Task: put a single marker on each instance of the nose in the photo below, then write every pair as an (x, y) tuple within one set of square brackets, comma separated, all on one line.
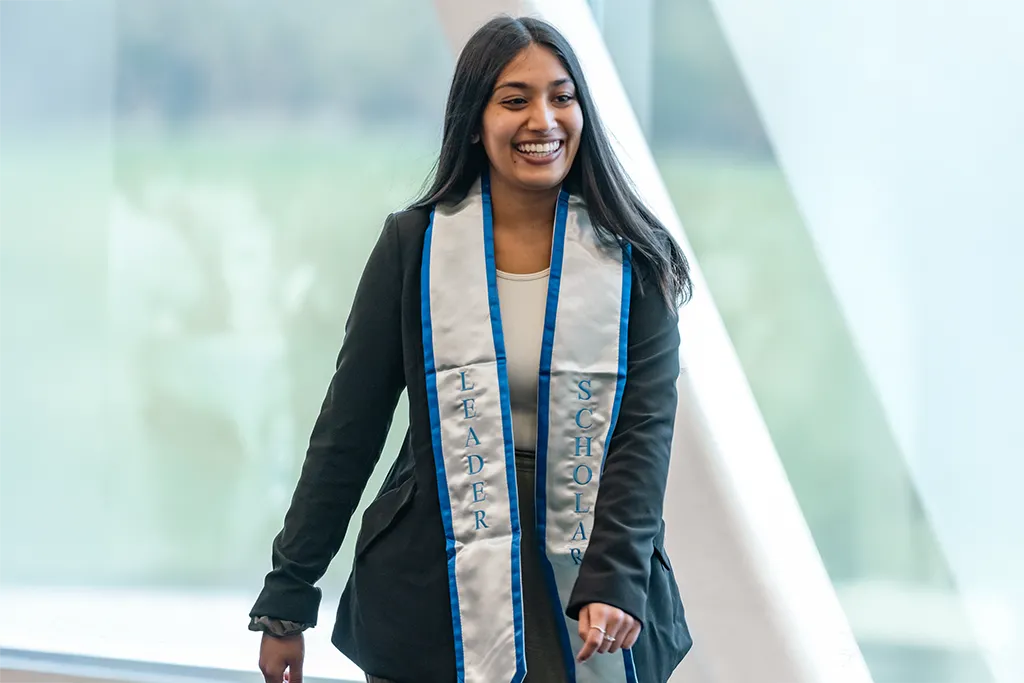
[(542, 116)]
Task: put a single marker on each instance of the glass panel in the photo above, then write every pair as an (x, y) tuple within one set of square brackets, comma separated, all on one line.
[(190, 191), (831, 430)]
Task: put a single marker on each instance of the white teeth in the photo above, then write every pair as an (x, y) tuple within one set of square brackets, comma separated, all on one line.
[(534, 148)]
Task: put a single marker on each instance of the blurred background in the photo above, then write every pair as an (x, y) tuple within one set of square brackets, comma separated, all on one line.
[(189, 191)]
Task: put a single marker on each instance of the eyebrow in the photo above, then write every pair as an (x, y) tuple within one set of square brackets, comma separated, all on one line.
[(524, 86)]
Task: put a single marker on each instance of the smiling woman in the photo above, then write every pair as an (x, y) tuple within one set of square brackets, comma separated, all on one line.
[(530, 130), (488, 551), (532, 119)]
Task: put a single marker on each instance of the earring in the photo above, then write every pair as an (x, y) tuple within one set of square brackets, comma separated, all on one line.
[(475, 139)]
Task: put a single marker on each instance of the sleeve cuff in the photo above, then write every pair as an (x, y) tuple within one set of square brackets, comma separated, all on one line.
[(279, 628), (288, 600)]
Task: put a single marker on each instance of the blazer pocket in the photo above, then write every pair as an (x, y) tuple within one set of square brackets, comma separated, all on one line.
[(383, 512), (659, 548), (662, 557)]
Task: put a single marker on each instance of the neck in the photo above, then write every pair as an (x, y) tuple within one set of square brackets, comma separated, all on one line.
[(523, 209)]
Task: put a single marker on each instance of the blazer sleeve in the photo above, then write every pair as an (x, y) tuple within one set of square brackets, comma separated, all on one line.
[(628, 512), (346, 440)]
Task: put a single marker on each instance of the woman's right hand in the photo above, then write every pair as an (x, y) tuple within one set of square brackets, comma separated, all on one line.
[(281, 658)]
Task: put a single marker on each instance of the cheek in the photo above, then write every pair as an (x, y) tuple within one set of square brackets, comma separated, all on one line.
[(574, 125), (497, 138), (498, 154)]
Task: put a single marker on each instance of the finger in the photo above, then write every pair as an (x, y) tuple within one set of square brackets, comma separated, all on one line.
[(592, 638), (590, 645), (624, 628), (614, 645), (296, 672), (584, 623), (632, 636), (614, 620)]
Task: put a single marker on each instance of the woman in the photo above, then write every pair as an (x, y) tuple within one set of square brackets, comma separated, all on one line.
[(527, 303)]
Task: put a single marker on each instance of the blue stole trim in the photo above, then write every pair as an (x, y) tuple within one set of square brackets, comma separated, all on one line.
[(435, 434), (620, 384), (506, 420), (543, 419), (627, 290)]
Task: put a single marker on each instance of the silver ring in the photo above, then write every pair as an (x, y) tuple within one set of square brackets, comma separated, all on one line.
[(603, 632), (609, 638)]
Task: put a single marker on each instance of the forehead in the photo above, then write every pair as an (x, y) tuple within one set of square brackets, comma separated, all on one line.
[(535, 65)]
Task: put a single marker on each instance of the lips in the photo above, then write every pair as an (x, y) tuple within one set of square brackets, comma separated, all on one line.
[(540, 152), (539, 148)]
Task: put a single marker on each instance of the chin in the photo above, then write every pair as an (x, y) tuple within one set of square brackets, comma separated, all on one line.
[(538, 182)]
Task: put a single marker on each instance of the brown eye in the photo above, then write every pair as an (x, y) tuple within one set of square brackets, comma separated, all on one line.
[(515, 102), (564, 98)]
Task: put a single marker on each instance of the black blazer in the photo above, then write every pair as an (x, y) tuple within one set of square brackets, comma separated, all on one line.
[(394, 620)]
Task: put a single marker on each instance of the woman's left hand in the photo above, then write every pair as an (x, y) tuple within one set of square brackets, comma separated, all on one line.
[(616, 623)]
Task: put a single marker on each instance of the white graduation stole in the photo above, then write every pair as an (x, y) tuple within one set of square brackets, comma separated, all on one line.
[(582, 375)]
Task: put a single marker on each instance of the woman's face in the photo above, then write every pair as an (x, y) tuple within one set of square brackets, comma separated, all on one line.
[(532, 123)]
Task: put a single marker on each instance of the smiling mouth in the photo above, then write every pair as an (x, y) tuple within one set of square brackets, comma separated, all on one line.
[(540, 150)]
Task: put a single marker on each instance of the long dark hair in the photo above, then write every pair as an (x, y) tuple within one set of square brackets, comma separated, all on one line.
[(596, 174)]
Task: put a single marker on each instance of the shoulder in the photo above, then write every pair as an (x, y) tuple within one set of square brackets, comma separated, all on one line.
[(645, 285), (649, 311), (409, 225), (403, 234)]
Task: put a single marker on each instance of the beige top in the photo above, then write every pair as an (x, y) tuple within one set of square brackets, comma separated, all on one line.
[(523, 300)]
